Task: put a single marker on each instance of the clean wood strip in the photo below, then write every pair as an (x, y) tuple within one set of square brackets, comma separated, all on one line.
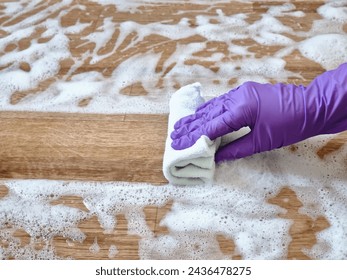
[(82, 147)]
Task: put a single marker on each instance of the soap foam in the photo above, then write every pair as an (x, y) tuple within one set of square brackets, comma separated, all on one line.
[(334, 10), (222, 215), (182, 65), (328, 50), (237, 206)]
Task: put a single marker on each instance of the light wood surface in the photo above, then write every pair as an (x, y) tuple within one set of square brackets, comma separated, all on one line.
[(82, 146), (130, 147)]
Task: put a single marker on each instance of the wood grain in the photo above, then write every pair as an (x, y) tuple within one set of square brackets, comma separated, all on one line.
[(82, 147), (98, 147)]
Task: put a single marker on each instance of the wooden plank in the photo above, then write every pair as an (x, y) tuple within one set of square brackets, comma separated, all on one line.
[(82, 146)]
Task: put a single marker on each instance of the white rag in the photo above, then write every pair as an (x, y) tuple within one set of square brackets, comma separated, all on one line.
[(194, 165)]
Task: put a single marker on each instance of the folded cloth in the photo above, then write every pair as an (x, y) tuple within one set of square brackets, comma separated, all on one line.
[(194, 165)]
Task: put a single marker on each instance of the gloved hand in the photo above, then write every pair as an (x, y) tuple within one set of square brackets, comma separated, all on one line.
[(278, 115)]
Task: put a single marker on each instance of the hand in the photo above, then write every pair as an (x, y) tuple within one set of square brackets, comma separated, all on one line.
[(278, 115)]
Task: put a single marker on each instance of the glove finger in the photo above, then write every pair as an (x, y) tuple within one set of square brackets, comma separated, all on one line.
[(240, 148), (187, 140), (204, 105), (208, 110), (211, 103), (190, 123), (216, 101), (212, 129), (187, 119), (218, 126), (187, 128)]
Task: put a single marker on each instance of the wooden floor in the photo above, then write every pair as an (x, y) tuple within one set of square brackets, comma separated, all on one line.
[(128, 148), (82, 146)]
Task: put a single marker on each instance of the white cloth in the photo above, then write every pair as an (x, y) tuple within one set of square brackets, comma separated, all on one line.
[(194, 165)]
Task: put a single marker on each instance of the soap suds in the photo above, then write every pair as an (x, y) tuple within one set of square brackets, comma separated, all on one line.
[(237, 206), (157, 55), (325, 45), (334, 10), (112, 251), (95, 248)]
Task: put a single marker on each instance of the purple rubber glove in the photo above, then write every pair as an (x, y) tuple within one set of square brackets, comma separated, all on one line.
[(278, 115)]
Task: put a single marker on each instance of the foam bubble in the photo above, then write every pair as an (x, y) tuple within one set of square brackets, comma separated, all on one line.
[(328, 49), (112, 251), (285, 10), (334, 10), (13, 7), (216, 32), (95, 248)]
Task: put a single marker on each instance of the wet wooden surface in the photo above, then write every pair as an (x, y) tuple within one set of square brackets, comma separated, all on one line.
[(129, 147), (82, 146), (97, 147)]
